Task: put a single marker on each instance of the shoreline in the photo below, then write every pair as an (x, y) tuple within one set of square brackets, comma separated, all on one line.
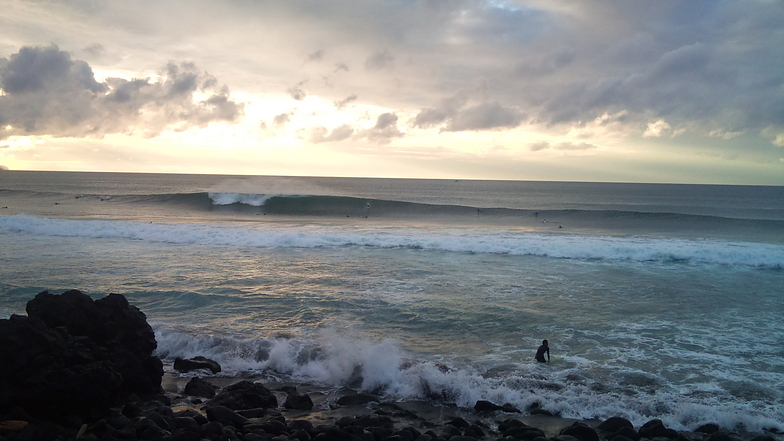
[(422, 414)]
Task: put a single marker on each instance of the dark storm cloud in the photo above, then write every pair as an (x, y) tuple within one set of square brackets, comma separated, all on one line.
[(46, 92)]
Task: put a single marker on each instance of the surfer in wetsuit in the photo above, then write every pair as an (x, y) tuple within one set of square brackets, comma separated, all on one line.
[(545, 348)]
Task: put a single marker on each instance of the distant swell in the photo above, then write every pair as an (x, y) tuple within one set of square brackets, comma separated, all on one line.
[(568, 246)]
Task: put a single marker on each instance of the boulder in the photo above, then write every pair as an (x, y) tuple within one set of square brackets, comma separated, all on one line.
[(614, 424), (355, 400), (655, 429), (299, 402), (486, 406), (197, 387), (580, 431), (245, 395), (225, 416), (73, 358), (195, 363)]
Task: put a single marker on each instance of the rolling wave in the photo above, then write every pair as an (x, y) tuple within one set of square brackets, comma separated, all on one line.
[(568, 246)]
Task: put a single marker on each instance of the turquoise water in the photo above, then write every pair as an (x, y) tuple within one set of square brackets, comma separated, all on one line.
[(663, 301)]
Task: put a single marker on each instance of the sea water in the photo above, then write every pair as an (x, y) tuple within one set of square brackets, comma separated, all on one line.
[(659, 301)]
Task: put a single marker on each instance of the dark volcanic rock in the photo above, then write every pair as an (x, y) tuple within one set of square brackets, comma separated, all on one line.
[(197, 387), (73, 357), (354, 400), (192, 364), (296, 401), (655, 429), (614, 424), (245, 395), (581, 432), (486, 406)]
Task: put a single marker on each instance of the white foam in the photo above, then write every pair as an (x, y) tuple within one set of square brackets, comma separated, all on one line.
[(337, 360), (252, 199), (638, 249)]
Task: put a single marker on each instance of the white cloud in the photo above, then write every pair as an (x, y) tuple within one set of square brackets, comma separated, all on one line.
[(657, 129)]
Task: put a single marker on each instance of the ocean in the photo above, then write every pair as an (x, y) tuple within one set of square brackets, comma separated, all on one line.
[(659, 301)]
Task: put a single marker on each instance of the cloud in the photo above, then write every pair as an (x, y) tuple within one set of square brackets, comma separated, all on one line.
[(346, 101), (485, 116), (380, 60), (385, 129), (321, 134), (657, 129), (455, 114), (297, 92), (544, 145), (316, 56), (282, 118), (46, 92)]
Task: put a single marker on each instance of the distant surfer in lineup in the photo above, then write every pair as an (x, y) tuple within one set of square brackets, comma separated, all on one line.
[(545, 348)]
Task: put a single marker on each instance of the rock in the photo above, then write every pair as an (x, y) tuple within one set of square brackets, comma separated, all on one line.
[(74, 357), (225, 416), (13, 425), (197, 387), (245, 395), (580, 431), (655, 429), (614, 424), (355, 400), (195, 363), (707, 428), (486, 406), (626, 432), (719, 436), (299, 402), (523, 432)]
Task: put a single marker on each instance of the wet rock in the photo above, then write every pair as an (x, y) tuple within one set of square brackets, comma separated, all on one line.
[(719, 436), (486, 406), (196, 363), (198, 387), (707, 428), (580, 431), (245, 395), (625, 432), (225, 416), (523, 432), (614, 424), (655, 429), (296, 401), (73, 358), (355, 400)]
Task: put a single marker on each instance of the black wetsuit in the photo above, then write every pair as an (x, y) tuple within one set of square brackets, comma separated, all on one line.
[(540, 353)]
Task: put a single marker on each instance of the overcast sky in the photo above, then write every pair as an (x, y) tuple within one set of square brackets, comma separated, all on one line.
[(582, 90)]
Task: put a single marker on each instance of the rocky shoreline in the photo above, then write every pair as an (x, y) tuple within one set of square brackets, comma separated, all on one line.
[(83, 369)]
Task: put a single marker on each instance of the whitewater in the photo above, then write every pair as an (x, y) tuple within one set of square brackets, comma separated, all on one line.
[(659, 301)]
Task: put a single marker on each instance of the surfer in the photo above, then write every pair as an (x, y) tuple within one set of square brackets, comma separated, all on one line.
[(545, 348)]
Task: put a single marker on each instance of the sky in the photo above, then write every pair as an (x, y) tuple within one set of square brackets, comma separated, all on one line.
[(687, 91)]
